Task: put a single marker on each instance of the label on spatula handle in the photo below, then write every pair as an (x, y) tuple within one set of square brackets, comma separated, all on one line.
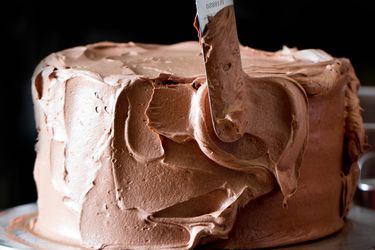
[(209, 8)]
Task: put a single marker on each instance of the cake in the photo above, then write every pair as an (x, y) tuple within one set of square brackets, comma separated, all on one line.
[(139, 146), (127, 157)]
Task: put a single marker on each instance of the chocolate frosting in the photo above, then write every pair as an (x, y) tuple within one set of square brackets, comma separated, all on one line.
[(279, 105), (128, 156)]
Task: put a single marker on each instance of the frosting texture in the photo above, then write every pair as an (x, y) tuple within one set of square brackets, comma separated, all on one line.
[(128, 156)]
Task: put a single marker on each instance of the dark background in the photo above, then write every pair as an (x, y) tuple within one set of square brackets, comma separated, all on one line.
[(33, 30)]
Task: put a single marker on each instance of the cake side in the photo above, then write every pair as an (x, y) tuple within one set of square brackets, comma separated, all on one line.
[(326, 184), (96, 109)]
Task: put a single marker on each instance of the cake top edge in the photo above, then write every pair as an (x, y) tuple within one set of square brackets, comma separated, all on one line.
[(314, 69)]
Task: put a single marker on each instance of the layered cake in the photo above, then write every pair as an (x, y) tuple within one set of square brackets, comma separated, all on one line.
[(128, 156)]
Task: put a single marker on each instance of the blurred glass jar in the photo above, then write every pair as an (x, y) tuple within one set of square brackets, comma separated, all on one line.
[(365, 195)]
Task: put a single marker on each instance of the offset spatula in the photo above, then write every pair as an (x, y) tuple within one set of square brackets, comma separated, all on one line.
[(251, 113), (218, 36)]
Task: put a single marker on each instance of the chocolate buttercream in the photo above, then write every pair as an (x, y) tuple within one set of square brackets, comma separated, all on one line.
[(128, 156), (279, 105)]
